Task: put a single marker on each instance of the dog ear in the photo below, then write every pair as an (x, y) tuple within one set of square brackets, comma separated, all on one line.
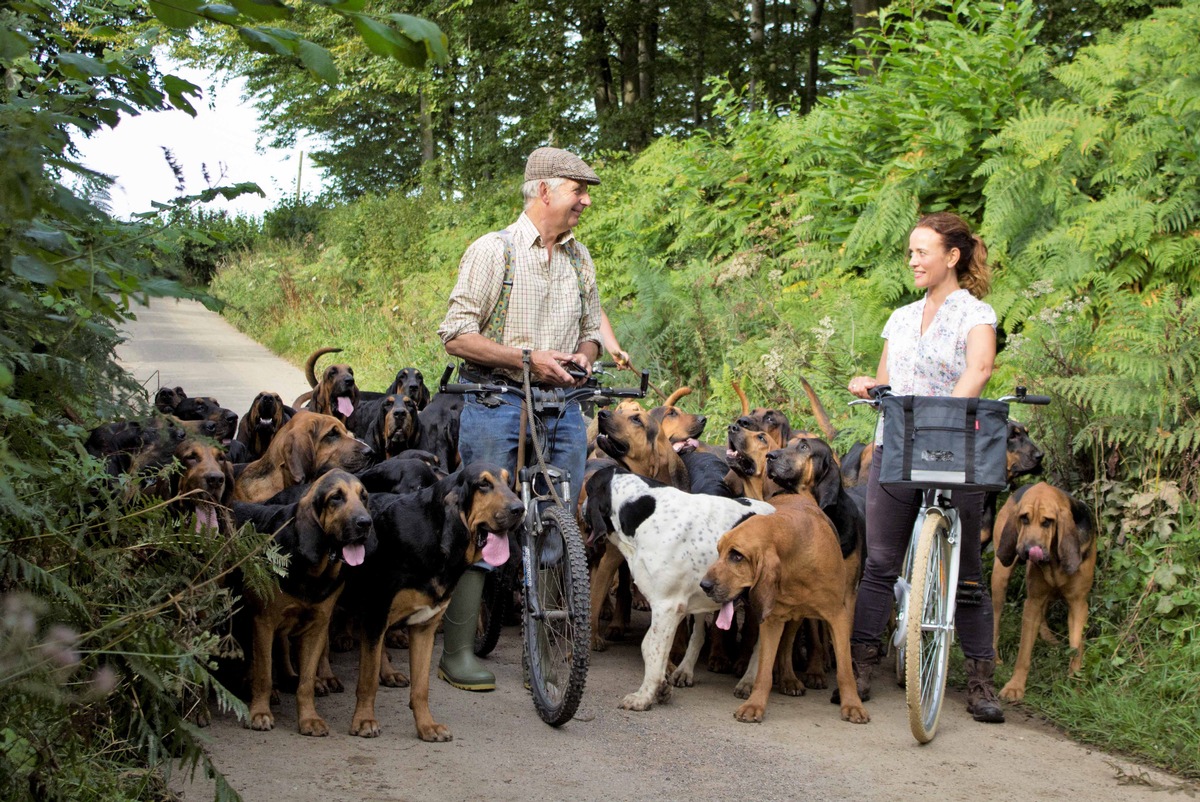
[(766, 583), (302, 452), (829, 481), (309, 533), (1074, 535), (736, 484), (599, 503), (230, 481), (1006, 547)]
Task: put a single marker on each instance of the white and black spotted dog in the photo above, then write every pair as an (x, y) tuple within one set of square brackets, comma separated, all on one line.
[(669, 538)]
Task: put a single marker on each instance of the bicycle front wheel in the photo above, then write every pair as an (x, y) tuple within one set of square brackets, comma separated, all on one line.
[(927, 646), (556, 626)]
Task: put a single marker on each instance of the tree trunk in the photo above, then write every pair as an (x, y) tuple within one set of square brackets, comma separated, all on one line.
[(814, 56), (427, 151), (757, 24)]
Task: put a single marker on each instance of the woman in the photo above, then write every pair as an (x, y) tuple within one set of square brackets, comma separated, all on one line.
[(942, 345)]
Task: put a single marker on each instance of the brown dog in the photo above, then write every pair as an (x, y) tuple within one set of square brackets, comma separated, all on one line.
[(336, 393), (329, 527), (1052, 533), (307, 446), (747, 458), (791, 567)]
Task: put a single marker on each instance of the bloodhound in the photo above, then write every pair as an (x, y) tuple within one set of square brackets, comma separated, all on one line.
[(262, 422), (410, 382), (327, 529), (790, 566), (747, 457), (1053, 534), (167, 398), (427, 540), (389, 425), (336, 393), (306, 446)]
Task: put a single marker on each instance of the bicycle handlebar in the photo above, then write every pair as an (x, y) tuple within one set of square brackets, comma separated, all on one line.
[(1019, 396), (559, 395)]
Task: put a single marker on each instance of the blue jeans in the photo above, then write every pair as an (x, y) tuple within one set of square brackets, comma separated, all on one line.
[(491, 434)]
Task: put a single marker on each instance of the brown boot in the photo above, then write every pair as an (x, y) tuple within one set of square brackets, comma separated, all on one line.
[(982, 702), (864, 657)]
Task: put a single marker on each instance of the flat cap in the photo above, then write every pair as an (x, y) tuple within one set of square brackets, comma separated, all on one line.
[(558, 163)]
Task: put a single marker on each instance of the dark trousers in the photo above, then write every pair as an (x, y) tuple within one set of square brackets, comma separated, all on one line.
[(890, 518)]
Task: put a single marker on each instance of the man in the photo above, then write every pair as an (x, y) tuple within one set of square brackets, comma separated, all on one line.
[(549, 317)]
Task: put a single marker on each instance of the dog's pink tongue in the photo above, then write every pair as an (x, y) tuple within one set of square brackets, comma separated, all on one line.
[(686, 446), (345, 406), (725, 617), (495, 551), (354, 553), (1036, 555), (206, 518)]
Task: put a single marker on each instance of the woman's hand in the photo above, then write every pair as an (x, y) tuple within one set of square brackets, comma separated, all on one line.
[(861, 385)]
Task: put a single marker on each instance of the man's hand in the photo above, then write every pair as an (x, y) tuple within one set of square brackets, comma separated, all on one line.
[(546, 367)]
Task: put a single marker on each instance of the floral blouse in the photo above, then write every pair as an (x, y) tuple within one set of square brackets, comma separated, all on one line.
[(931, 363)]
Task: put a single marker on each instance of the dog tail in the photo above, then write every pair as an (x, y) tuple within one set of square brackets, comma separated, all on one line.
[(674, 397), (737, 388), (311, 364), (818, 409)]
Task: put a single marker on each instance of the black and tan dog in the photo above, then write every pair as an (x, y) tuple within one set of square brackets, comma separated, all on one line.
[(328, 529), (410, 382), (262, 422), (167, 398), (1052, 533), (306, 446), (336, 393), (427, 540), (790, 566), (389, 425), (1023, 458)]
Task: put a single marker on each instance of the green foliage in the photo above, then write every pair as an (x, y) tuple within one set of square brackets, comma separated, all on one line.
[(295, 220), (199, 240)]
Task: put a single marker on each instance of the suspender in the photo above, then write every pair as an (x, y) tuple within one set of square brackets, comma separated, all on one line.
[(493, 327)]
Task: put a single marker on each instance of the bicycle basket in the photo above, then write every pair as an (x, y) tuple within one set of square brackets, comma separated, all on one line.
[(944, 442)]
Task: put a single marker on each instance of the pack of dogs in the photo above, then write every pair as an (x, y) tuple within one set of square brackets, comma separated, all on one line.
[(747, 552)]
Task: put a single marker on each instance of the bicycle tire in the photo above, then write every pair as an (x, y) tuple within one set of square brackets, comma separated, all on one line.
[(493, 609), (558, 645), (901, 648), (929, 631)]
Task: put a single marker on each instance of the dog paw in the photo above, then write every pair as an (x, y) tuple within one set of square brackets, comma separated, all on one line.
[(315, 727), (435, 733), (262, 722), (393, 679), (342, 643), (663, 694), (366, 728), (599, 644), (815, 680), (719, 665), (615, 632), (682, 679), (792, 687), (636, 701), (1012, 693), (396, 638), (332, 684), (750, 713), (855, 714), (742, 689)]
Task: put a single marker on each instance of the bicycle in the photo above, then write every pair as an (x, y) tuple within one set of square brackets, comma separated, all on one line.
[(556, 593), (926, 590)]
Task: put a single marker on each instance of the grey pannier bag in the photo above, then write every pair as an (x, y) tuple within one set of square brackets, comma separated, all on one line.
[(941, 441)]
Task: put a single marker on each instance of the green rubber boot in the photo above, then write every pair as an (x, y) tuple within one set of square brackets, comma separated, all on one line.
[(459, 666)]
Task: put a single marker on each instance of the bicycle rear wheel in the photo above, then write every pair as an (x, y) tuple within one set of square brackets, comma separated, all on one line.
[(929, 628), (556, 627)]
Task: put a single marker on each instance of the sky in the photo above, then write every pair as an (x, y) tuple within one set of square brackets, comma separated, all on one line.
[(223, 137)]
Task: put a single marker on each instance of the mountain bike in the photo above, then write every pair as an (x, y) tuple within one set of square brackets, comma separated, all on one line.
[(556, 593), (925, 591)]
